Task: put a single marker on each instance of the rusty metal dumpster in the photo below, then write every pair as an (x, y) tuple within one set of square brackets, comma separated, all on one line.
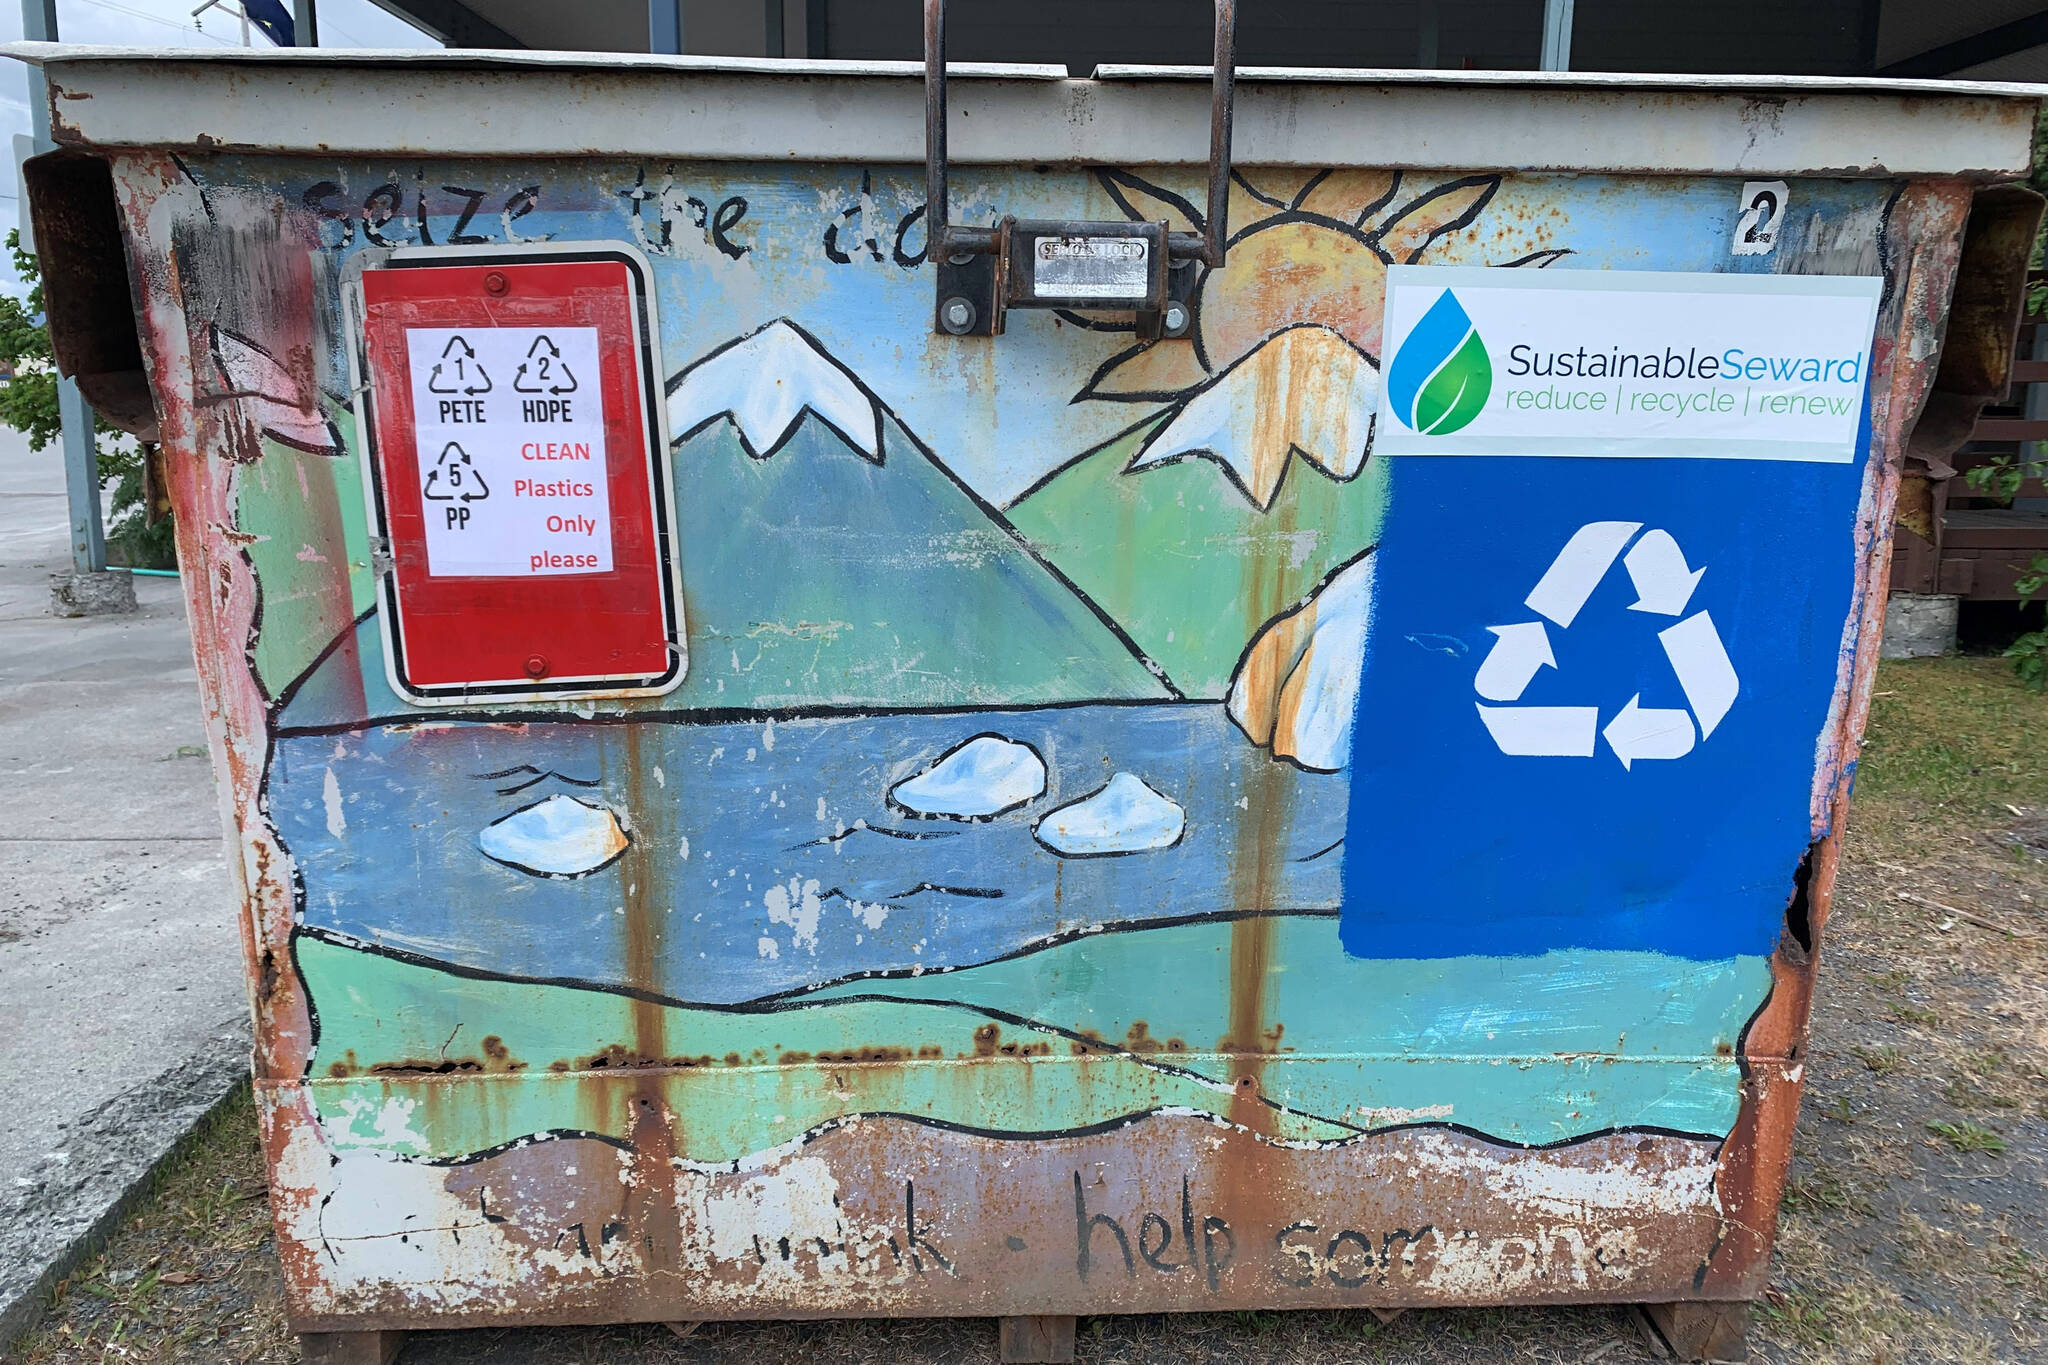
[(779, 770)]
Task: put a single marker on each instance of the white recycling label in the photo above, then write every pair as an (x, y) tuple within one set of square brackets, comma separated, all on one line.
[(509, 425), (1664, 586)]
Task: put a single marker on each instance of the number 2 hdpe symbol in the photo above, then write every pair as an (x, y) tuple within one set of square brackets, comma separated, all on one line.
[(1441, 376), (1664, 587)]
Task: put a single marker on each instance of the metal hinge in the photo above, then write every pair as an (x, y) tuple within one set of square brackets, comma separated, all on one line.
[(1141, 268)]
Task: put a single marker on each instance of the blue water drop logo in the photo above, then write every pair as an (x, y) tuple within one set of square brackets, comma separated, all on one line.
[(1441, 376)]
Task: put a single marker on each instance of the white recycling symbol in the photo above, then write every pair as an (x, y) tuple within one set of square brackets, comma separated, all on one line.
[(1664, 587)]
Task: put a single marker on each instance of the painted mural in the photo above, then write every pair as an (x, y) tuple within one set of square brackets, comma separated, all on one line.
[(1076, 749)]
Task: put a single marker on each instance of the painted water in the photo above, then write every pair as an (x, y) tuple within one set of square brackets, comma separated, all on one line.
[(775, 858)]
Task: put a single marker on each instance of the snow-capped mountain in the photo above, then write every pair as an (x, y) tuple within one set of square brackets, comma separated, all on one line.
[(765, 382), (1305, 389), (853, 568)]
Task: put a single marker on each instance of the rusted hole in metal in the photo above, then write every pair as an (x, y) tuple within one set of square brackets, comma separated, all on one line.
[(1799, 910), (417, 1068)]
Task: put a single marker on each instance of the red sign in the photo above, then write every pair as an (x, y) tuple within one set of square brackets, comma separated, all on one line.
[(518, 474)]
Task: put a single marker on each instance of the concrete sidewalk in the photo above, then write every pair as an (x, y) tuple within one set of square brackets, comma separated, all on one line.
[(122, 1011)]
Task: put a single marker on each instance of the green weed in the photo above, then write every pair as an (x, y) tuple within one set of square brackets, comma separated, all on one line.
[(1968, 1137)]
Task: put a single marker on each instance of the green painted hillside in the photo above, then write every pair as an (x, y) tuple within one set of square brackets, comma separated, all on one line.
[(1184, 561), (816, 577)]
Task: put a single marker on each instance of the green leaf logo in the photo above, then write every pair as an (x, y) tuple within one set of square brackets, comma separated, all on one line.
[(1441, 376)]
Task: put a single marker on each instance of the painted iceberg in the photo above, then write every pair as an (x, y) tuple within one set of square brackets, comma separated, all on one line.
[(986, 776), (1124, 817), (558, 837), (1297, 688)]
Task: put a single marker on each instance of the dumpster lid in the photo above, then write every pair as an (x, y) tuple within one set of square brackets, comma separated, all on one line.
[(1760, 86), (330, 102)]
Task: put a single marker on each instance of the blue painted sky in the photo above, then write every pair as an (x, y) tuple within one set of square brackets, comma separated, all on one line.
[(999, 412)]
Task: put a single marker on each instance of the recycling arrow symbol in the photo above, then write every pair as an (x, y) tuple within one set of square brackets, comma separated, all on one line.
[(544, 370), (454, 478), (457, 371), (1664, 586)]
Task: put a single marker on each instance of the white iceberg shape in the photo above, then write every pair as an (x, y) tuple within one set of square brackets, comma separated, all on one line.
[(765, 382), (1305, 389), (558, 837), (1124, 817), (1296, 689), (986, 776)]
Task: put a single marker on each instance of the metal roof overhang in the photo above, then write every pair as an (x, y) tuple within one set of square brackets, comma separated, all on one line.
[(496, 103)]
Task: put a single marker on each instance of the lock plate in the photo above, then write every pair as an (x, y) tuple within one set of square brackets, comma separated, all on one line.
[(1088, 265), (1070, 265)]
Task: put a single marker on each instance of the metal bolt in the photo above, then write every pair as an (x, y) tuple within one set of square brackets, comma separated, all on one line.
[(1175, 319), (496, 283), (536, 666), (957, 316), (960, 258)]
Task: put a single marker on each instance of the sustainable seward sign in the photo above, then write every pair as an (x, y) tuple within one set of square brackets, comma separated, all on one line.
[(1620, 363)]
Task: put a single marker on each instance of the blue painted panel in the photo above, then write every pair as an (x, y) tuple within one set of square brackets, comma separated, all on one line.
[(1694, 857)]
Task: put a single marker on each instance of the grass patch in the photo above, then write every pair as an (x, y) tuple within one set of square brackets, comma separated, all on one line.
[(1949, 741), (1824, 1192), (1968, 1137), (1894, 1244), (1798, 1313), (189, 1276), (1966, 1094)]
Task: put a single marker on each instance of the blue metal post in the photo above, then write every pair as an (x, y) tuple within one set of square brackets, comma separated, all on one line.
[(665, 25), (1557, 35), (81, 458)]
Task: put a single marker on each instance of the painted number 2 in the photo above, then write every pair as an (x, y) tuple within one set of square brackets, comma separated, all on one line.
[(1762, 210)]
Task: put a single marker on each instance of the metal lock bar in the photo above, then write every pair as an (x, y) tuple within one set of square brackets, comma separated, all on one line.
[(1077, 265)]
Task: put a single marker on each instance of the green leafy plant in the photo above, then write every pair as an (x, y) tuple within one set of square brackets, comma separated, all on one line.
[(2029, 653), (1968, 1137), (1907, 1013), (28, 403), (2002, 477)]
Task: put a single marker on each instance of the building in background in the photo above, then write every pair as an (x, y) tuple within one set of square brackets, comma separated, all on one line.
[(1987, 39)]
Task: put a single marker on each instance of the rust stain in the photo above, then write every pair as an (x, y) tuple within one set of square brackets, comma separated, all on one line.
[(1235, 1179), (1924, 227), (1244, 1180), (651, 1216), (497, 1060), (1330, 1229), (1139, 1039)]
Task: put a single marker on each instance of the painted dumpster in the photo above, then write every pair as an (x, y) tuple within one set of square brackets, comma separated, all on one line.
[(751, 804)]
